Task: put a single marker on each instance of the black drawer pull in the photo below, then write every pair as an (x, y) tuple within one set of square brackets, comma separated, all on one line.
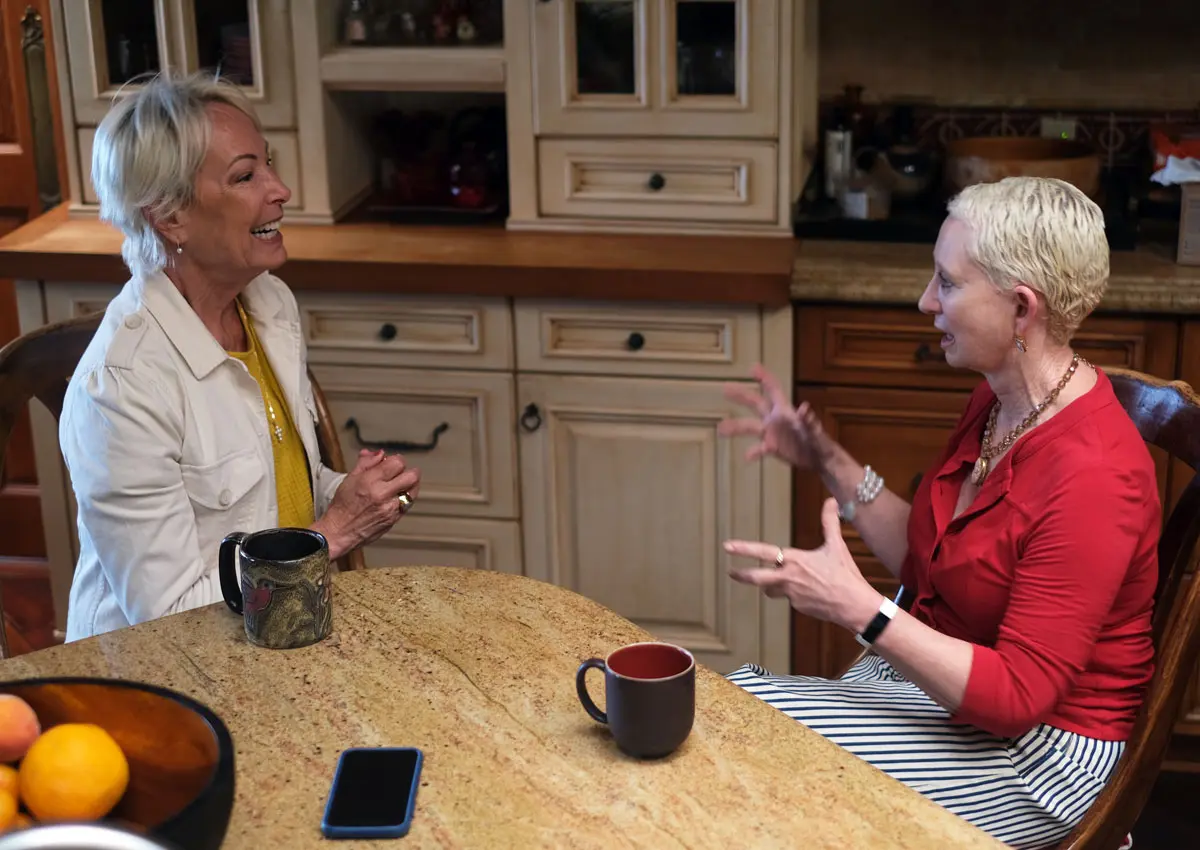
[(387, 333), (656, 182), (635, 341), (925, 354), (399, 446), (531, 418)]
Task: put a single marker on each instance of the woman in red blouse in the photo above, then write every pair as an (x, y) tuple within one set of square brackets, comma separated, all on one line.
[(1007, 690)]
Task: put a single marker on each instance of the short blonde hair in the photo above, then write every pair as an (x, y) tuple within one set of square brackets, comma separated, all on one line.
[(1041, 232), (147, 153)]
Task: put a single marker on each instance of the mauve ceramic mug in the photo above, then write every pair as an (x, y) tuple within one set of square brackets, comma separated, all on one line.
[(650, 694), (284, 594)]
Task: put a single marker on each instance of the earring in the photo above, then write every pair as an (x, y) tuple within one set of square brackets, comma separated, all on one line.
[(1020, 342), (178, 248)]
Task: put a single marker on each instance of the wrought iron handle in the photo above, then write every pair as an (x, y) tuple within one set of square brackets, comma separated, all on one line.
[(387, 333), (531, 418), (400, 446), (925, 354), (656, 182), (635, 341)]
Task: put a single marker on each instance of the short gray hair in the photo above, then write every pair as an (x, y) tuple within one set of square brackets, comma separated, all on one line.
[(1044, 233), (147, 153)]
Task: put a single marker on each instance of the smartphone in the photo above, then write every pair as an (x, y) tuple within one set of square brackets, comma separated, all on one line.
[(373, 794)]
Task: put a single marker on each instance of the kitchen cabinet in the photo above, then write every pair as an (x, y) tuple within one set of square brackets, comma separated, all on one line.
[(657, 115), (111, 43), (706, 68), (575, 443)]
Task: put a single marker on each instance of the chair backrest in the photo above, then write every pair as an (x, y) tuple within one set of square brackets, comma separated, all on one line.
[(331, 456), (1167, 413), (39, 365)]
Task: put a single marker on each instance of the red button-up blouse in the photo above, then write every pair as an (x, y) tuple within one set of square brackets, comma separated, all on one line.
[(1050, 573)]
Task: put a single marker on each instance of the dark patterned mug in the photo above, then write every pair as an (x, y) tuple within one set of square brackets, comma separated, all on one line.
[(650, 696), (284, 596)]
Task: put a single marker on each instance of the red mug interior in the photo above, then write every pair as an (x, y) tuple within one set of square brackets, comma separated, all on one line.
[(649, 661)]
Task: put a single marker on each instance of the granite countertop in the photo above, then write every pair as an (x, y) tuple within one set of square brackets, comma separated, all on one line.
[(1141, 281), (477, 669)]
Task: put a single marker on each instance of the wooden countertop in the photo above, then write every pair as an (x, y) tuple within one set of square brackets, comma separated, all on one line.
[(477, 669), (479, 261), (1141, 281)]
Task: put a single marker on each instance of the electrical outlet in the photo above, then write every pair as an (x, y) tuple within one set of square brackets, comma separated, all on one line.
[(1058, 128)]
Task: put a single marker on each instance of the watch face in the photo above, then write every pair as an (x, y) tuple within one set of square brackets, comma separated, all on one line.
[(846, 511)]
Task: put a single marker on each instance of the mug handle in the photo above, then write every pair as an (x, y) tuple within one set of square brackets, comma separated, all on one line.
[(581, 688), (231, 589)]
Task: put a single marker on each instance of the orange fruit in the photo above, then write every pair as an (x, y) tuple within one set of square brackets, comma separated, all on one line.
[(8, 810), (75, 771), (9, 781), (18, 727), (23, 821)]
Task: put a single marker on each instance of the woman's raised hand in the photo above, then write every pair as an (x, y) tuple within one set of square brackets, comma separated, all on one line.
[(367, 502), (792, 434)]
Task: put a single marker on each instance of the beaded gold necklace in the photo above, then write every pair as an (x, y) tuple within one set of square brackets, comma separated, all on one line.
[(988, 450)]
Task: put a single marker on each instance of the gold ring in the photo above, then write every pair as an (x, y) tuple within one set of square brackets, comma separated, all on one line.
[(406, 502), (779, 559)]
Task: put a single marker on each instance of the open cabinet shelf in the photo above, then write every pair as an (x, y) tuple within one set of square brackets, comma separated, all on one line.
[(459, 69)]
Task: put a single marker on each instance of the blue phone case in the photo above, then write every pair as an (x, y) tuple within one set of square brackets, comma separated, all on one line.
[(398, 830)]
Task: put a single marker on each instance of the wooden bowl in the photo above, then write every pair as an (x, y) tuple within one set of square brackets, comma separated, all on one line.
[(988, 159), (180, 753)]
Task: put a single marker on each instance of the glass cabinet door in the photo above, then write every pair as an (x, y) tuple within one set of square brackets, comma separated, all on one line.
[(663, 67), (592, 65), (720, 57), (109, 44), (247, 42)]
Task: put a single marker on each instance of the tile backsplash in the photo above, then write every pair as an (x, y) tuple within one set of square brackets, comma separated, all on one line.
[(1119, 55)]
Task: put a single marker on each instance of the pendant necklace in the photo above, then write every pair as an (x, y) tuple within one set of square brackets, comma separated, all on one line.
[(988, 450)]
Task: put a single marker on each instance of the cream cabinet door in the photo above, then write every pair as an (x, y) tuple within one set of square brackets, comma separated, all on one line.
[(657, 67), (250, 42), (111, 42), (627, 492)]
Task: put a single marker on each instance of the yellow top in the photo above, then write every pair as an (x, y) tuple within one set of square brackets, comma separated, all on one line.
[(293, 486)]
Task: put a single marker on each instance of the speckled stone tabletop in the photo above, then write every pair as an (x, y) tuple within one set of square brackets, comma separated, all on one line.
[(1141, 281), (477, 669)]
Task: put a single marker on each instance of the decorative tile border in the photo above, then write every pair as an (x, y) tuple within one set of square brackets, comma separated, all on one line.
[(1122, 138)]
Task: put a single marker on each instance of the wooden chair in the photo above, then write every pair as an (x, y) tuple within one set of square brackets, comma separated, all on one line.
[(1167, 413), (39, 365)]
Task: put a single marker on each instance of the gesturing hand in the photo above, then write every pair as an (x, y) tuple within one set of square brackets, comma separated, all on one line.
[(824, 583), (794, 435), (367, 504)]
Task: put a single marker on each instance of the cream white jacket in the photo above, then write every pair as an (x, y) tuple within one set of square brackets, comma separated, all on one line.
[(166, 443)]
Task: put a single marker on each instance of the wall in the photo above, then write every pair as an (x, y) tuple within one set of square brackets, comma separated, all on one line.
[(1043, 54)]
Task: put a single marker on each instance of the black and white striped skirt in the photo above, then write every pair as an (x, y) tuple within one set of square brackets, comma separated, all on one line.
[(1028, 792)]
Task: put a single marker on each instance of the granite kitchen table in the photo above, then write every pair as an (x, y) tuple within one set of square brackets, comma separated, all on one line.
[(477, 669)]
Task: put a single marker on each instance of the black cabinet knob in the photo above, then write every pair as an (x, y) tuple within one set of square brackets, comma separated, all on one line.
[(635, 341), (387, 333), (656, 182)]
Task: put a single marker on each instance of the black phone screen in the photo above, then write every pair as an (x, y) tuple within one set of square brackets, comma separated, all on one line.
[(373, 788)]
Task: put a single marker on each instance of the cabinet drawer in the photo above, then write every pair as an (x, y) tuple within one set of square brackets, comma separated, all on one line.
[(898, 347), (421, 541), (471, 333), (463, 423), (609, 338), (681, 180)]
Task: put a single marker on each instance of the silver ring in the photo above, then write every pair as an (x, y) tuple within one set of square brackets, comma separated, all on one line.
[(406, 502), (779, 559)]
